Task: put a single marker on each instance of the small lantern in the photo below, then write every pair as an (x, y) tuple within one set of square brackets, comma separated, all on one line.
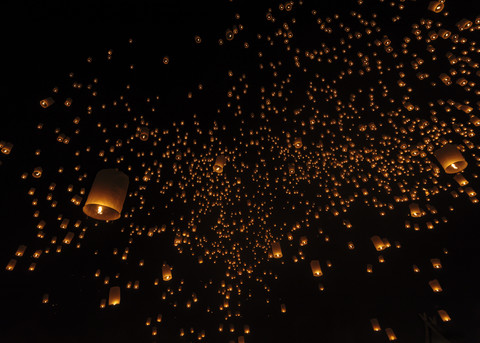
[(390, 334), (277, 250), (106, 197), (316, 270), (37, 172), (451, 159), (444, 316), (6, 148), (436, 263), (219, 164), (46, 102), (435, 285), (436, 6), (415, 210), (297, 143), (378, 243), (144, 133), (166, 272), (375, 324), (460, 180), (114, 296)]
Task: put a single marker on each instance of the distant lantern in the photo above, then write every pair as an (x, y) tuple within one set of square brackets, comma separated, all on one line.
[(37, 172), (219, 164), (291, 168), (46, 102), (106, 197), (316, 270), (277, 250), (435, 285), (436, 6), (460, 180), (11, 264), (436, 263), (390, 334), (451, 159), (415, 210), (375, 324), (6, 148), (378, 243), (68, 102), (144, 133), (114, 296), (444, 315), (297, 142), (166, 272)]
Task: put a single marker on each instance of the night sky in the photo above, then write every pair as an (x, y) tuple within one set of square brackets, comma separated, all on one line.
[(370, 89)]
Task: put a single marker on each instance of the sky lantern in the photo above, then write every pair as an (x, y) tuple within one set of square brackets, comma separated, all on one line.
[(106, 197), (219, 164), (277, 250), (316, 270), (451, 159), (114, 296)]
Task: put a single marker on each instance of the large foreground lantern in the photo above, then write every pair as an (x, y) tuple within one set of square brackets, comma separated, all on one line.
[(106, 197), (451, 159)]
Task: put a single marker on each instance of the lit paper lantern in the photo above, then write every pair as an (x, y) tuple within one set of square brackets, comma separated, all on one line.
[(219, 164), (106, 197), (316, 270), (277, 250), (114, 296), (451, 159)]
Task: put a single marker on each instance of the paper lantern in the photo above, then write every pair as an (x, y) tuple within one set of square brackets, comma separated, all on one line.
[(435, 285), (277, 250), (415, 210), (436, 263), (375, 324), (316, 270), (114, 296), (219, 164), (166, 272), (106, 197), (444, 315), (436, 6), (46, 102), (6, 148), (451, 159), (297, 143), (378, 243), (390, 334), (144, 133), (460, 180), (37, 172)]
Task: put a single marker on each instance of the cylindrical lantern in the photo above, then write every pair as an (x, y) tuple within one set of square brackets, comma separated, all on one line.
[(46, 102), (114, 296), (461, 180), (436, 6), (144, 133), (444, 315), (451, 159), (316, 270), (297, 142), (436, 263), (219, 164), (390, 334), (435, 286), (378, 243), (277, 250), (37, 172), (415, 210), (106, 197), (166, 272), (375, 324)]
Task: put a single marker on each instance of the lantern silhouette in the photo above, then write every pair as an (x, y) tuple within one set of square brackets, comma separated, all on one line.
[(316, 270), (219, 164), (277, 250), (114, 296), (106, 197), (451, 159)]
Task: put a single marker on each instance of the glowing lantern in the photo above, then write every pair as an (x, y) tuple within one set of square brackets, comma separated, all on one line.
[(45, 298), (375, 324), (106, 197), (144, 133), (297, 143), (11, 264), (283, 308), (415, 210), (436, 263), (464, 24), (166, 272), (114, 296), (20, 251), (316, 270), (219, 164), (277, 250), (378, 243), (460, 180), (444, 315), (390, 334), (451, 159), (436, 6), (37, 172), (435, 285), (6, 148), (46, 102)]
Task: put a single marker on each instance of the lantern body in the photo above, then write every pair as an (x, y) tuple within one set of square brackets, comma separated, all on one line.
[(378, 243), (46, 102), (106, 197), (114, 296), (415, 210), (144, 133), (444, 315), (277, 250), (436, 6), (375, 324), (435, 285), (451, 159), (219, 164), (166, 272), (460, 180), (297, 143), (316, 270)]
